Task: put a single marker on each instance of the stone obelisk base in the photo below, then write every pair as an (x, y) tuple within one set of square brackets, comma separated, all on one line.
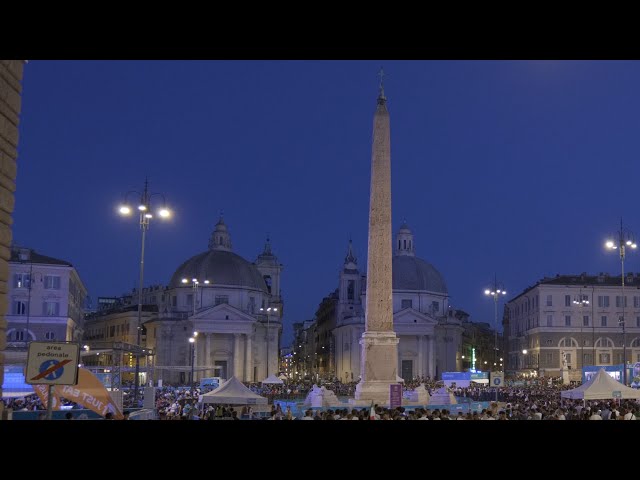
[(379, 367)]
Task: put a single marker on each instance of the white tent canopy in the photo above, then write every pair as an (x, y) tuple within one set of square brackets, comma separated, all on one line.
[(233, 392), (601, 386), (272, 379)]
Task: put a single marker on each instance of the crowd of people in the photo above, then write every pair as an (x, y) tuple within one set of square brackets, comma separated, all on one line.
[(535, 401)]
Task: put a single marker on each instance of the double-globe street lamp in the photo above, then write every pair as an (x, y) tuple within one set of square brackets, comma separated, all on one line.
[(146, 214), (195, 283), (622, 239), (268, 310), (496, 291)]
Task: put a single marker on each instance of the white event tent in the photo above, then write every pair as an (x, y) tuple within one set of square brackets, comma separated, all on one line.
[(233, 392), (601, 386), (272, 379)]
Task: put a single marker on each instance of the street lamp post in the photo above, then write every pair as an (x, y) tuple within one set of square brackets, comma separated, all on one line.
[(268, 310), (625, 239), (195, 283), (495, 291), (145, 209), (582, 301), (192, 342), (524, 355)]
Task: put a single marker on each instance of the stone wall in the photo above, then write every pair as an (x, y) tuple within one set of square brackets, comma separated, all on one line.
[(10, 90)]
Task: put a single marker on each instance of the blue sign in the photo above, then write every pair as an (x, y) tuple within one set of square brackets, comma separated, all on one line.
[(456, 376), (57, 373), (480, 375)]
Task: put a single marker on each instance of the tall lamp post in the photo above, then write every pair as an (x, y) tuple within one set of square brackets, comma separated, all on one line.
[(625, 239), (496, 291), (192, 342), (195, 283), (582, 301), (146, 214), (524, 355), (268, 310)]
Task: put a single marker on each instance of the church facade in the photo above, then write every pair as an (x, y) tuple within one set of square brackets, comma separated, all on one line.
[(233, 305), (429, 331)]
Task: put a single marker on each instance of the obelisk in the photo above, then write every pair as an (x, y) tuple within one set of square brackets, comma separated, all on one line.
[(379, 355)]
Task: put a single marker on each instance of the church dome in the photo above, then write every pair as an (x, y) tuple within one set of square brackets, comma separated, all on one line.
[(413, 273), (220, 265)]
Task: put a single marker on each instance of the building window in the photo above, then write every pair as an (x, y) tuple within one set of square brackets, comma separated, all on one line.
[(435, 306), (567, 300), (252, 304), (567, 320), (18, 336), (221, 299), (190, 299), (351, 290), (268, 282), (20, 280), (603, 321), (50, 335), (112, 331), (618, 358), (19, 307), (604, 358), (407, 303), (587, 359), (636, 301), (568, 356), (52, 282), (549, 358), (585, 320), (604, 342), (549, 301), (603, 301), (619, 301), (549, 320), (51, 309), (637, 321)]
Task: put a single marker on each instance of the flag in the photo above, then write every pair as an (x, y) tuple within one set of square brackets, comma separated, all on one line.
[(90, 393), (42, 391), (372, 412)]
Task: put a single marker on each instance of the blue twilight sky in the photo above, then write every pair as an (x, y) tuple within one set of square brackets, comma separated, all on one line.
[(519, 168)]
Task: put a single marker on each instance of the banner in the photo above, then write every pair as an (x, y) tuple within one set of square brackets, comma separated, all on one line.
[(43, 394), (90, 393)]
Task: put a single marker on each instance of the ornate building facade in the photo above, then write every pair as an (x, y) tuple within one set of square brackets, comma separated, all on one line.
[(429, 331), (46, 302), (553, 316), (234, 305)]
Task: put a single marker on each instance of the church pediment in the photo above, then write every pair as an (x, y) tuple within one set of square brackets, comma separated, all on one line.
[(409, 316), (223, 312)]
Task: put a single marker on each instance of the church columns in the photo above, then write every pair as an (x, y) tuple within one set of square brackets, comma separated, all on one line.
[(237, 366), (420, 366), (248, 359), (432, 357), (207, 351)]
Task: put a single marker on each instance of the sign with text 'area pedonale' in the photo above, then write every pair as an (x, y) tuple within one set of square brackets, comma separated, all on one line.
[(52, 363)]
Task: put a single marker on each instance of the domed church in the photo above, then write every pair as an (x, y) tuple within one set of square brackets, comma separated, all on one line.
[(235, 307), (428, 334)]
